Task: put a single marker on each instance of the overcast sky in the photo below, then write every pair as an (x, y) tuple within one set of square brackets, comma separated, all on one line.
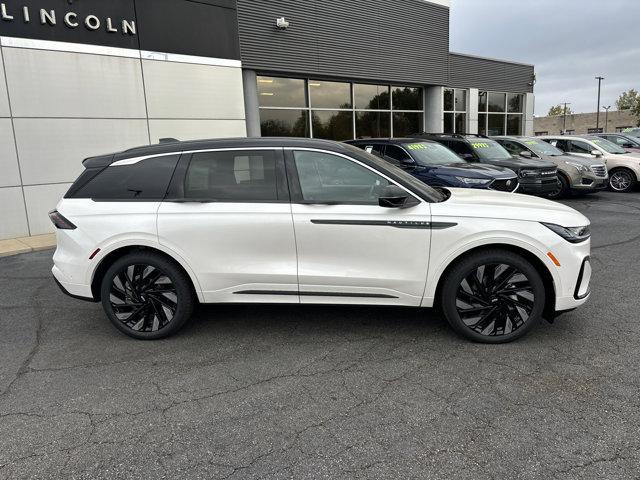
[(569, 41)]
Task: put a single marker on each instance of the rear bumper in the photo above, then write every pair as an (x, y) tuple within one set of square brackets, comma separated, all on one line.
[(74, 290)]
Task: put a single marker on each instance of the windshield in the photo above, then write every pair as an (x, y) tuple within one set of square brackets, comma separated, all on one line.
[(634, 132), (432, 154), (543, 148), (607, 146), (489, 150), (635, 141)]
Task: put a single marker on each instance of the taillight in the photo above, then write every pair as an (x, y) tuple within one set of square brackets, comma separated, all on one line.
[(60, 222)]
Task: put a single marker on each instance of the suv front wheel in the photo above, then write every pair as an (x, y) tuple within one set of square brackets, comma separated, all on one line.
[(146, 296), (493, 296)]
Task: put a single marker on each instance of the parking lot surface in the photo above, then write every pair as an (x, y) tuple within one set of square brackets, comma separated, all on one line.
[(324, 392)]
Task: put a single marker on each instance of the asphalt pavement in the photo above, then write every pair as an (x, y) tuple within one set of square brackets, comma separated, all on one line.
[(248, 392)]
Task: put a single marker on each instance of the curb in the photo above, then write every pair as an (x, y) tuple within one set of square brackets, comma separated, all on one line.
[(15, 246)]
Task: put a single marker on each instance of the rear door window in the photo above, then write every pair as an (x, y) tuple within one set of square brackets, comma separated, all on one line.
[(580, 147), (144, 180)]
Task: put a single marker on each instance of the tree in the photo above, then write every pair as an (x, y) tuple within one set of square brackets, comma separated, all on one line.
[(559, 110), (630, 101)]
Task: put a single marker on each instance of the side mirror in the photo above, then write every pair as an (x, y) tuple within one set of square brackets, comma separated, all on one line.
[(408, 162), (467, 156), (596, 153), (526, 154), (395, 197)]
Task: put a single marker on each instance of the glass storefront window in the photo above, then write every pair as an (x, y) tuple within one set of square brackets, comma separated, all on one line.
[(449, 123), (514, 124), (482, 124), (514, 103), (373, 124), (482, 101), (496, 125), (332, 124), (449, 102), (461, 123), (407, 98), (455, 110), (281, 92), (371, 97), (284, 123), (406, 124), (329, 94), (497, 102), (461, 100)]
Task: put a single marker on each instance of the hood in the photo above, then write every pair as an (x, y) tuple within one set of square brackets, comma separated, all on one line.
[(467, 202), (521, 162), (469, 170), (623, 156)]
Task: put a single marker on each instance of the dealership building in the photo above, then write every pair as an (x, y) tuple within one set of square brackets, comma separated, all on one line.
[(84, 77)]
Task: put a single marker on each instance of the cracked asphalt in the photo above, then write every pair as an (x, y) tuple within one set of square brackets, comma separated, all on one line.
[(248, 392)]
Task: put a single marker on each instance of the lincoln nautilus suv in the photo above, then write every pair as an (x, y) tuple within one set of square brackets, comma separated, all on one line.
[(150, 232)]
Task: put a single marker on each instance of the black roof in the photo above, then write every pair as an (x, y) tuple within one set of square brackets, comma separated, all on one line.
[(394, 141), (454, 136), (178, 146)]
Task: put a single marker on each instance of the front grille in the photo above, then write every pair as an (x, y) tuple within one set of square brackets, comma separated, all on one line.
[(549, 173), (505, 185), (599, 170)]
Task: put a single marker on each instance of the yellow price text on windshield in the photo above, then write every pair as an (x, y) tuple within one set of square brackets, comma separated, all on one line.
[(480, 145), (418, 146), (531, 142)]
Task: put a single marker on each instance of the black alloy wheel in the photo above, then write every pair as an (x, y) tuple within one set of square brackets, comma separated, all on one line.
[(146, 296), (493, 297), (563, 189)]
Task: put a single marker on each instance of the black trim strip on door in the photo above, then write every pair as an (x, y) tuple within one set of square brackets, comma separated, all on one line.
[(389, 223), (313, 294)]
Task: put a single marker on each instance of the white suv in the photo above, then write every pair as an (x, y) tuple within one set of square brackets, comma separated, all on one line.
[(151, 231), (624, 167)]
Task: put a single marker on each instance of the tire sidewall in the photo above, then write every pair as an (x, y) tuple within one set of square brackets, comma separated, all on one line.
[(181, 283), (470, 263), (564, 188)]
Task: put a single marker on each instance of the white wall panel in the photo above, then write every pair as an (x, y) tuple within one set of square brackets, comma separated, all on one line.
[(9, 173), (4, 100), (13, 221), (196, 129), (51, 150), (41, 199), (63, 84), (182, 90)]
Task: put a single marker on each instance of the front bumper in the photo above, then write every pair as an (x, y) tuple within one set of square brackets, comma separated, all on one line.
[(588, 182), (538, 186)]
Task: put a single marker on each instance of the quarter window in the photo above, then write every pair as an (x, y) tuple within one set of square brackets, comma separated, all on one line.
[(241, 176), (330, 178)]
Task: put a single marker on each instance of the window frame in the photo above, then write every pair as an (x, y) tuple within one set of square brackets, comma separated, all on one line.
[(506, 113), (176, 190), (456, 111)]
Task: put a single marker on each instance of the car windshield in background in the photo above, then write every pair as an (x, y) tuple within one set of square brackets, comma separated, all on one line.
[(608, 146), (632, 140), (490, 150), (543, 148), (431, 154)]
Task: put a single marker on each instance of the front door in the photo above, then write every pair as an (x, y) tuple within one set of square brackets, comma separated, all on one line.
[(350, 249), (230, 219)]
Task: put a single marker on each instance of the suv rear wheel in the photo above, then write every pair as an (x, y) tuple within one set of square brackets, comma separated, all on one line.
[(621, 180), (494, 296), (146, 296)]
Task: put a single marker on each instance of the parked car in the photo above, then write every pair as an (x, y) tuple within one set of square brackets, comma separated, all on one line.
[(151, 231), (632, 132), (576, 174), (436, 165), (624, 168), (629, 143), (534, 176)]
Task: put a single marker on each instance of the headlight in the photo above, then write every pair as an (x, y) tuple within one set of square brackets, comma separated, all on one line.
[(570, 234), (579, 167), (528, 173), (474, 181)]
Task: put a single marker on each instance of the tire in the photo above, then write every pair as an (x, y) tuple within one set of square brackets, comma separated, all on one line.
[(487, 316), (621, 180), (564, 189), (147, 296)]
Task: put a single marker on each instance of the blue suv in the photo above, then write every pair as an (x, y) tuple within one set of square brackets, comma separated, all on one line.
[(436, 165)]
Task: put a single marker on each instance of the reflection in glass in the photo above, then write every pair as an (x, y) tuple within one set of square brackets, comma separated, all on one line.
[(281, 92), (461, 100), (482, 124), (373, 124), (332, 125), (449, 123), (496, 125), (496, 102), (514, 124), (371, 97), (284, 123), (407, 98), (329, 94), (514, 102), (482, 101), (406, 124), (448, 100), (461, 123)]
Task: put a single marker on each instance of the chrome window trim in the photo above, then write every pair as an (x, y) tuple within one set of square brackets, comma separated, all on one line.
[(134, 160)]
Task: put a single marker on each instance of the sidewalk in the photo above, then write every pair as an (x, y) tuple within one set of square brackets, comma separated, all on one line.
[(15, 246)]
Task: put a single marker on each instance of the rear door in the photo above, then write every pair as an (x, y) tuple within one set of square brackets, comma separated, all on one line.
[(350, 249), (228, 214)]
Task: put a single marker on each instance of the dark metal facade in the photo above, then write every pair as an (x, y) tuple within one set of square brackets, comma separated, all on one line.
[(467, 71)]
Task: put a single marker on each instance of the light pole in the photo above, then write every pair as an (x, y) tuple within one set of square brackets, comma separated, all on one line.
[(564, 118), (598, 110), (606, 118)]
